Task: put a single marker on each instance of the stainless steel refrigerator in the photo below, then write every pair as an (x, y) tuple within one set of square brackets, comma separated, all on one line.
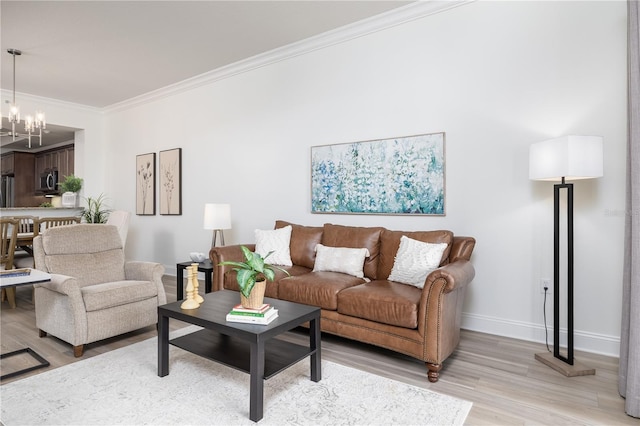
[(7, 192)]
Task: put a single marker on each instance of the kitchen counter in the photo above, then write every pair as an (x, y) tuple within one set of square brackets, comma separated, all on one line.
[(41, 211)]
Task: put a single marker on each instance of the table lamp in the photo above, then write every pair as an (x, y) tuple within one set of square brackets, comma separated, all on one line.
[(217, 217), (561, 159)]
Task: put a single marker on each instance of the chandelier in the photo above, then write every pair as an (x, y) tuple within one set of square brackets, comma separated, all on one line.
[(32, 124)]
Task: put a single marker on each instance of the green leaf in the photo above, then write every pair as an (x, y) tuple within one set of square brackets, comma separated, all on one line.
[(269, 274)]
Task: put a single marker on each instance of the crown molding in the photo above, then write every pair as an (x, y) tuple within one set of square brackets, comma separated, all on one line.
[(7, 95), (399, 16)]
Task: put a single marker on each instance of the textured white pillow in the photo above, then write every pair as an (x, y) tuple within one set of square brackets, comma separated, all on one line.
[(277, 241), (415, 260), (340, 259)]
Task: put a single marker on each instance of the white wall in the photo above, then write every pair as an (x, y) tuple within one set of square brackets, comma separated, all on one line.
[(495, 76)]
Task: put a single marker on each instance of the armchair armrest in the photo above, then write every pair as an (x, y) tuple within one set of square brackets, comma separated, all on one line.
[(144, 271), (60, 300), (147, 271), (224, 254), (62, 284)]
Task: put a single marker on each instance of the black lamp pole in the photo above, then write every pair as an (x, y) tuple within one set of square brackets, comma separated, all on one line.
[(556, 271)]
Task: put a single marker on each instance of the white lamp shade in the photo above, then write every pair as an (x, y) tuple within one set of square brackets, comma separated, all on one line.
[(217, 216), (572, 157)]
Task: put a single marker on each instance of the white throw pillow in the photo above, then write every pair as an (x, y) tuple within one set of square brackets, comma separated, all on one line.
[(277, 241), (415, 260), (340, 259)]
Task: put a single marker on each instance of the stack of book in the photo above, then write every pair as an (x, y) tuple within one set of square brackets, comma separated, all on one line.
[(263, 315)]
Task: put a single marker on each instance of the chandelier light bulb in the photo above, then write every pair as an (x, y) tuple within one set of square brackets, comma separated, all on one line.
[(14, 114), (41, 122)]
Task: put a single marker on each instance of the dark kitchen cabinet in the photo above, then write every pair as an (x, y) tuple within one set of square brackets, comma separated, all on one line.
[(60, 159), (21, 165)]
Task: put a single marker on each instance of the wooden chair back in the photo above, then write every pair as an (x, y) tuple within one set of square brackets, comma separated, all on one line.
[(50, 222), (25, 223), (8, 235)]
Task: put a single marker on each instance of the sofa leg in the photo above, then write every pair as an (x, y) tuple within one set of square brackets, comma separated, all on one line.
[(434, 371), (78, 351), (42, 333)]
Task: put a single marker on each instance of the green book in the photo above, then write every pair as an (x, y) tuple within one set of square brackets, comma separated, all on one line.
[(249, 313)]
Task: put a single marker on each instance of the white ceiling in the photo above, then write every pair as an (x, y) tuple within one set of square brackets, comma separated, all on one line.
[(99, 53)]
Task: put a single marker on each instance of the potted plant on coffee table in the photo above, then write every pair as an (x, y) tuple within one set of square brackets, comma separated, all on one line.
[(252, 277)]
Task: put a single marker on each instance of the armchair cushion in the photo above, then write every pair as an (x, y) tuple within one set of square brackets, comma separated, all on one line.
[(107, 295), (89, 268), (92, 255)]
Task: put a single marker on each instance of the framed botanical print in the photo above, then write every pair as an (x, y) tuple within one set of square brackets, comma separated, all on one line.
[(146, 184), (171, 182)]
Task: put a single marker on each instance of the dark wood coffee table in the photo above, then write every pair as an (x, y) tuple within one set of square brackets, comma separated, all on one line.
[(252, 348)]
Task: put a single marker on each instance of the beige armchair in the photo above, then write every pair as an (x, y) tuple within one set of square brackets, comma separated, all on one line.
[(93, 294)]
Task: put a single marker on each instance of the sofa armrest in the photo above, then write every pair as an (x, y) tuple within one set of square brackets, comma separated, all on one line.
[(454, 275), (147, 271), (225, 254), (440, 309)]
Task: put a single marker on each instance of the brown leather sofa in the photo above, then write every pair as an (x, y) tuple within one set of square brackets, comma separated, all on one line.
[(422, 323)]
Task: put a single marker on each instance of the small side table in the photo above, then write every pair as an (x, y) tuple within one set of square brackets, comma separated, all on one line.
[(205, 266)]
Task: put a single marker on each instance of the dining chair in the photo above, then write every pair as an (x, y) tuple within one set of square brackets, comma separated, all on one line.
[(23, 256), (50, 222), (8, 234)]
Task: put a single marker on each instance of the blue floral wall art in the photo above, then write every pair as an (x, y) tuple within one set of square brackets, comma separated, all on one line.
[(402, 175)]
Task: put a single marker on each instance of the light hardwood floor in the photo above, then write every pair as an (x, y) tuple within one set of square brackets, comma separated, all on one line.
[(499, 375)]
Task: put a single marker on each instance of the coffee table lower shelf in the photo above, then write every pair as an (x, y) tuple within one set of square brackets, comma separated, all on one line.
[(235, 353)]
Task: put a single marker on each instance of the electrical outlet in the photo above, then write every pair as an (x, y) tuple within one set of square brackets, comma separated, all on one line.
[(545, 283)]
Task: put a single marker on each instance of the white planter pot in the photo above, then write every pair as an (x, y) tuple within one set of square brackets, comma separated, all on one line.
[(70, 199)]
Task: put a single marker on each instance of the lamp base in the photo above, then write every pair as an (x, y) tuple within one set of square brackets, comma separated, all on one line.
[(577, 369)]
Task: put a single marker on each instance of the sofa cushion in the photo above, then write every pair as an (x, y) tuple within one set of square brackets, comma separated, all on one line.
[(382, 301), (107, 295), (356, 237), (303, 242), (415, 260), (277, 242), (231, 283), (316, 288), (390, 242), (340, 259)]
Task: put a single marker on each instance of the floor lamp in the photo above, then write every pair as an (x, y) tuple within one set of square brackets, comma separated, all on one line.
[(217, 217), (566, 158)]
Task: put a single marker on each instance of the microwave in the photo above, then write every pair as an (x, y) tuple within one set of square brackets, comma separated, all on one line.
[(49, 181)]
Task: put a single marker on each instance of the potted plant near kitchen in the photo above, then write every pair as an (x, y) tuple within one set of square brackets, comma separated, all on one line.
[(252, 277), (95, 211), (70, 188)]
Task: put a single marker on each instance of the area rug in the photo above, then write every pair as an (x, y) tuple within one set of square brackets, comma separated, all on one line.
[(122, 387)]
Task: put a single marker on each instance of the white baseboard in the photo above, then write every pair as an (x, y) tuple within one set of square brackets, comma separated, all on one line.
[(583, 340)]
